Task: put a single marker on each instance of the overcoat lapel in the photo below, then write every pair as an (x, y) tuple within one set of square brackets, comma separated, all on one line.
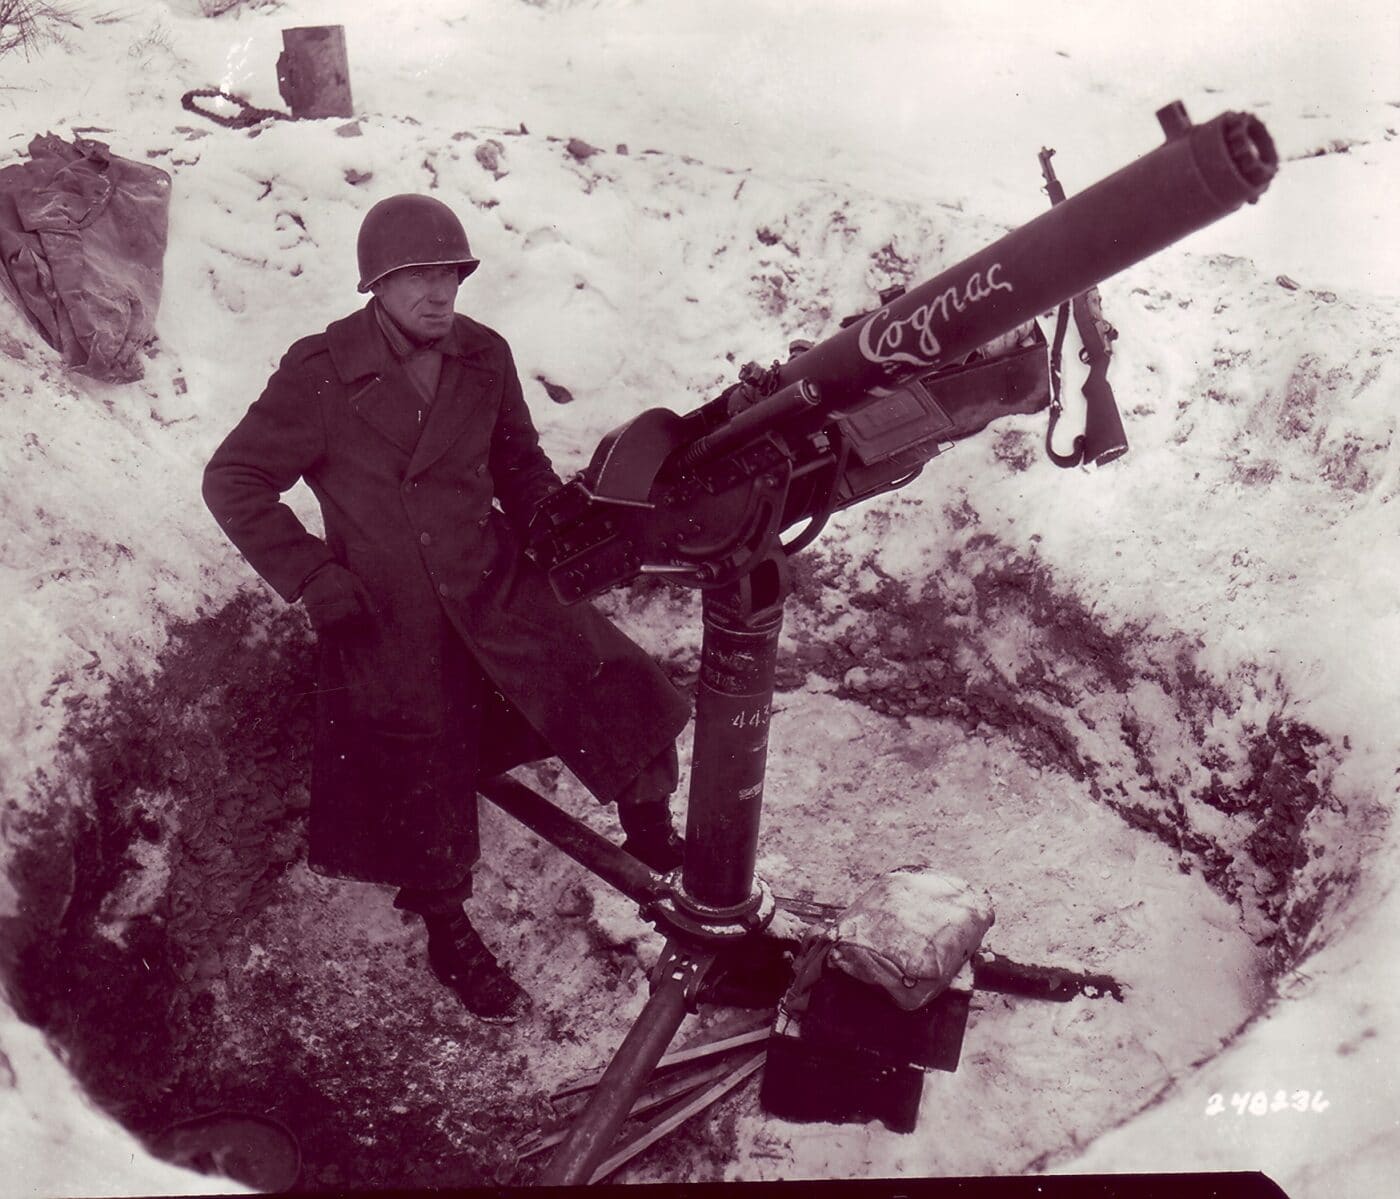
[(378, 390), (389, 404), (382, 394), (466, 386)]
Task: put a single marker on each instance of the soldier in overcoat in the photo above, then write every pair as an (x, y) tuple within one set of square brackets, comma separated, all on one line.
[(444, 656)]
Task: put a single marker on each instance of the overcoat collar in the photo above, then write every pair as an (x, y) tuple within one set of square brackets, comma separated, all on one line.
[(365, 363), (358, 348)]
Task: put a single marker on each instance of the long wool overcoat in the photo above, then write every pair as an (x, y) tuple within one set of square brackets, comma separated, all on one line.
[(459, 612)]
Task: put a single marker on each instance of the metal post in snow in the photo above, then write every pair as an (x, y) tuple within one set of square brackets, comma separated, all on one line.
[(313, 73)]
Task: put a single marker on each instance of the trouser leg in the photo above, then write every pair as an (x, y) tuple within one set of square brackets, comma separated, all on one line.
[(651, 790), (644, 811), (505, 739), (427, 903)]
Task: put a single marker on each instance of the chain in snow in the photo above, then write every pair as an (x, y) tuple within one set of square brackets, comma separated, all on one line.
[(248, 116)]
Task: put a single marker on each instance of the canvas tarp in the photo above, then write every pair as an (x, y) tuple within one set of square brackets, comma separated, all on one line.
[(82, 241), (909, 933)]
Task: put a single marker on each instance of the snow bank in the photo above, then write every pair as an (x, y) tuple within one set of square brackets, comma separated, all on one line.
[(58, 1145), (763, 169)]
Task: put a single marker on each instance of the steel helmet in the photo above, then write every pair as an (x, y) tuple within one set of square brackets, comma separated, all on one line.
[(411, 230)]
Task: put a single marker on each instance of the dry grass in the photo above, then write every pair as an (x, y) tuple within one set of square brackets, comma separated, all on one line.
[(27, 24), (217, 8)]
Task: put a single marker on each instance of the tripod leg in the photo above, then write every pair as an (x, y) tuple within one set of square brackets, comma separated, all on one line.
[(614, 866), (593, 1133)]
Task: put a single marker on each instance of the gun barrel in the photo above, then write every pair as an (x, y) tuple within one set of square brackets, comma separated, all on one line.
[(1201, 173)]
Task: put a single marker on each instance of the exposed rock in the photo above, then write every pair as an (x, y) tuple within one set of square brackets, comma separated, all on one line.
[(580, 150)]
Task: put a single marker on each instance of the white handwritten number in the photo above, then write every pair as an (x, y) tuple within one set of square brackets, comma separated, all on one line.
[(1257, 1103), (754, 719)]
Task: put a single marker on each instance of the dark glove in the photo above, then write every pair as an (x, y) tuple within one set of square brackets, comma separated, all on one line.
[(539, 527), (335, 600)]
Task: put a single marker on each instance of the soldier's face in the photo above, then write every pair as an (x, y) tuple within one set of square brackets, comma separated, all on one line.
[(420, 299)]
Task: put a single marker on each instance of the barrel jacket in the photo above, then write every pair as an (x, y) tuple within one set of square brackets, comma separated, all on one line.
[(459, 612)]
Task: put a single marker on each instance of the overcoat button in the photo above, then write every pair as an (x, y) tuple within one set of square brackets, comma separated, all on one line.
[(481, 468), (425, 539), (442, 589)]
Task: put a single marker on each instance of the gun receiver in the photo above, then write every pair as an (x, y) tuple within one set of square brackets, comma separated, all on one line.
[(704, 496)]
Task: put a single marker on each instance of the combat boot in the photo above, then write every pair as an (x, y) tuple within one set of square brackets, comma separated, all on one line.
[(460, 960), (650, 835)]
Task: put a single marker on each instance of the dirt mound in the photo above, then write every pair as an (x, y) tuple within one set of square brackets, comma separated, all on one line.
[(188, 789)]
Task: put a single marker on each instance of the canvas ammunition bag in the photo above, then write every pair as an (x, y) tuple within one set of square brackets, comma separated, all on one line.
[(908, 933), (82, 248)]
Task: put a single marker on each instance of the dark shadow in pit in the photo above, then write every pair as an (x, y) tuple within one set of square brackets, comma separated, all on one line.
[(181, 806)]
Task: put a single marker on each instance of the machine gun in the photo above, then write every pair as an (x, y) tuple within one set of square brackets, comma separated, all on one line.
[(704, 499), (700, 498)]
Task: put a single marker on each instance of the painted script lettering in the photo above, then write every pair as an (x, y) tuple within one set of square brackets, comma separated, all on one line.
[(912, 338)]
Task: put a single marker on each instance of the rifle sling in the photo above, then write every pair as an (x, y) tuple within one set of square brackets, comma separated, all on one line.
[(1057, 346)]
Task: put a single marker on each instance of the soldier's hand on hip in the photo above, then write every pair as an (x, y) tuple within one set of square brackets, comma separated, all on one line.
[(336, 601)]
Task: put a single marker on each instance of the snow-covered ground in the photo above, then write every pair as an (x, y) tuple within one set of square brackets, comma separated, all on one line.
[(1150, 708)]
